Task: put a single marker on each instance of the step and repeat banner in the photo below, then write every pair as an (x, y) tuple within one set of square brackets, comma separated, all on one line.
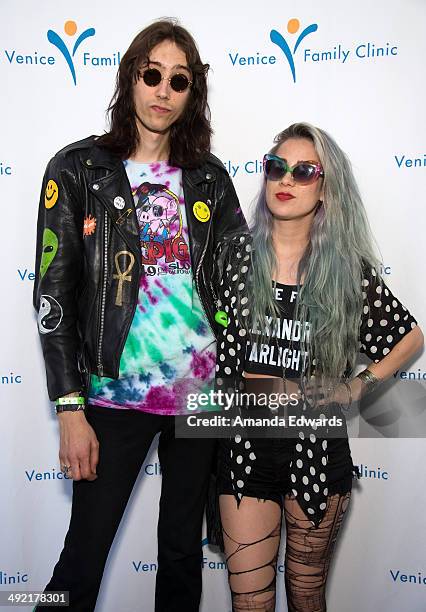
[(355, 69)]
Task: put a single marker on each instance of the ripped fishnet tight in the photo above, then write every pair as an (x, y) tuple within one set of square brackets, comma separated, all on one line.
[(252, 539)]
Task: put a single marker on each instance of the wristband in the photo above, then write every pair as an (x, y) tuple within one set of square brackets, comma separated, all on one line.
[(64, 401), (369, 379), (70, 404)]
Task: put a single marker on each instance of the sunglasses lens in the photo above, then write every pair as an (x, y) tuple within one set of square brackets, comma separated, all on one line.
[(151, 77), (274, 169), (304, 173), (179, 82)]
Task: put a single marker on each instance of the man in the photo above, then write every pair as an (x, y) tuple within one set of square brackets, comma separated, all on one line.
[(127, 228)]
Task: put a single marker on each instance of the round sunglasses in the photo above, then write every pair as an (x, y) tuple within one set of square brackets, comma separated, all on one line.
[(153, 77), (303, 173)]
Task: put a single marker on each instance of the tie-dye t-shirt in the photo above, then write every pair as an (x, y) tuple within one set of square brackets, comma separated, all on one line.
[(170, 350)]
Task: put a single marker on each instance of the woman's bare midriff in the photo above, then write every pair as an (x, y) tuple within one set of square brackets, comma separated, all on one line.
[(281, 385)]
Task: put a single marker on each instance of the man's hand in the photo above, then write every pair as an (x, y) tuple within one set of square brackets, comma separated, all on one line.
[(79, 447)]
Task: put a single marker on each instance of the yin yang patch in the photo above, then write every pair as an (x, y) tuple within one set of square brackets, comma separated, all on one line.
[(49, 315)]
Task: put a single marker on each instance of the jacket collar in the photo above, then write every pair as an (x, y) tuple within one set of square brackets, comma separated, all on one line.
[(101, 157)]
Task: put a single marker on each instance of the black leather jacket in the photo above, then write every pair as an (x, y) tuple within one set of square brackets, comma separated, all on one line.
[(83, 327)]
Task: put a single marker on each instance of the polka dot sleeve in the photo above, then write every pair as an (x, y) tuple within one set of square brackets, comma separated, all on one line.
[(226, 356), (385, 321)]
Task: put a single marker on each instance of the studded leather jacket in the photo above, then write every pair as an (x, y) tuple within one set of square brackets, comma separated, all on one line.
[(88, 259)]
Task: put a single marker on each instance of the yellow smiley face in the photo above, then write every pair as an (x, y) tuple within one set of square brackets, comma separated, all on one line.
[(201, 211), (51, 194)]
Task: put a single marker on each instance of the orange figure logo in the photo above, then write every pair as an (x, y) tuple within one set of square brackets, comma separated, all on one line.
[(89, 226)]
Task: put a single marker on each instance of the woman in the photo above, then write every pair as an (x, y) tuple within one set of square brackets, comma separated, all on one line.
[(301, 296)]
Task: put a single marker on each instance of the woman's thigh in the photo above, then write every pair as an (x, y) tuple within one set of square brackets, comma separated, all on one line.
[(251, 533)]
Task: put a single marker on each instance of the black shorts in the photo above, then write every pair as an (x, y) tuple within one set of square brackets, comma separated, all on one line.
[(270, 475)]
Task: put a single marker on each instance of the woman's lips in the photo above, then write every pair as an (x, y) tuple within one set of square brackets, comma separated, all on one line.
[(282, 196)]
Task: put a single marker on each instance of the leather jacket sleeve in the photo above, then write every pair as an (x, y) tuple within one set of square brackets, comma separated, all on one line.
[(229, 217), (58, 270)]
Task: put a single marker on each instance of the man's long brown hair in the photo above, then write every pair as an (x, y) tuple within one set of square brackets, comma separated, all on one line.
[(190, 136)]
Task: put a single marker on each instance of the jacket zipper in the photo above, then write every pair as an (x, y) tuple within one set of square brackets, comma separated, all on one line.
[(103, 299), (197, 272)]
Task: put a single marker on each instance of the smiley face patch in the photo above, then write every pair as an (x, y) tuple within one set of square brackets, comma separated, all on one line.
[(51, 194), (201, 211)]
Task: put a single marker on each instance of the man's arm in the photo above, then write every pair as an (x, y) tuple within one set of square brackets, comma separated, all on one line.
[(59, 267), (229, 217), (58, 271)]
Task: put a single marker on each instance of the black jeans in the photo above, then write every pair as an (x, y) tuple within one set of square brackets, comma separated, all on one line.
[(97, 508)]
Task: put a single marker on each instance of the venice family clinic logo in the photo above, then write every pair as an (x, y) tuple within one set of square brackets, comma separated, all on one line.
[(293, 26), (70, 29)]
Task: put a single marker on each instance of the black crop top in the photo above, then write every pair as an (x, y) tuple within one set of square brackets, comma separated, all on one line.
[(283, 351)]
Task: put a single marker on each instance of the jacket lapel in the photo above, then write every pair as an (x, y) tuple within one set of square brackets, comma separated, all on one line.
[(199, 191), (112, 190)]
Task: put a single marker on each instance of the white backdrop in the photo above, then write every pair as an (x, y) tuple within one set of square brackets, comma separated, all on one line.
[(360, 75)]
